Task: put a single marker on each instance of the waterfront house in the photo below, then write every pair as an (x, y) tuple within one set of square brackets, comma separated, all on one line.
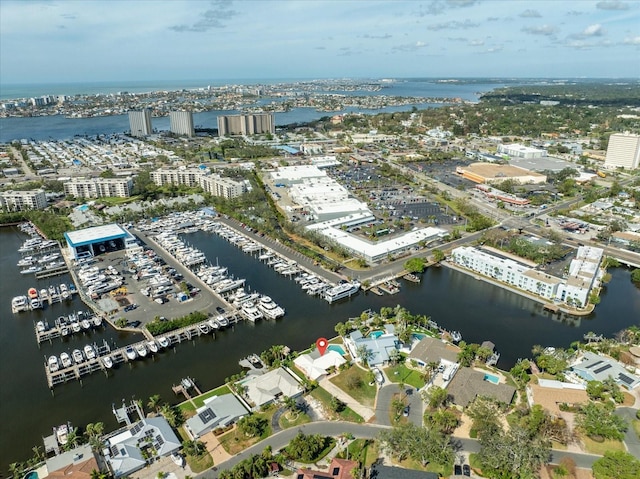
[(550, 394), (432, 350), (271, 386), (315, 366), (77, 463), (379, 346), (141, 444), (469, 383), (218, 411), (595, 367)]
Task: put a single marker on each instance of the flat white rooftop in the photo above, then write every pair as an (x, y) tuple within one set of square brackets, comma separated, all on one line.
[(94, 234)]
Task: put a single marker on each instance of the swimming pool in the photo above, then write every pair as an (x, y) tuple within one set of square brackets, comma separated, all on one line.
[(491, 378), (79, 208), (337, 348), (31, 475), (418, 336), (376, 334)]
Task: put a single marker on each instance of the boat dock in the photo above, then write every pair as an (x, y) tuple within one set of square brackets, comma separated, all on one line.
[(119, 355), (48, 273), (184, 387), (63, 328)]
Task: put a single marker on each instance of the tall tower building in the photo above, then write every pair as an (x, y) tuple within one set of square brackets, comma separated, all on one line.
[(140, 122), (253, 124), (623, 151), (182, 123)]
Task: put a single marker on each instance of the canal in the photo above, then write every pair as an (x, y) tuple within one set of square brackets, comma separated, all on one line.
[(28, 409)]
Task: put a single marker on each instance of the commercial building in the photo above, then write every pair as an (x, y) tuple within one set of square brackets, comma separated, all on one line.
[(98, 239), (98, 187), (623, 151), (181, 123), (23, 200), (493, 173), (140, 123), (584, 273), (516, 150), (251, 124), (213, 184)]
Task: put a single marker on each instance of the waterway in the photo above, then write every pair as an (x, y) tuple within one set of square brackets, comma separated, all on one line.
[(28, 409)]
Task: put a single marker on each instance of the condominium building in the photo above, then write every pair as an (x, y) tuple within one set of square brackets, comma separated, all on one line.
[(520, 151), (140, 122), (181, 123), (623, 151), (584, 273), (23, 200), (98, 187), (213, 184), (252, 124)]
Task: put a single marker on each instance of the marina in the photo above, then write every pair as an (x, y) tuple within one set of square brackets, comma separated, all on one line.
[(63, 326), (35, 299)]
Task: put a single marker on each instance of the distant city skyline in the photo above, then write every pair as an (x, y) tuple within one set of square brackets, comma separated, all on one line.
[(70, 41)]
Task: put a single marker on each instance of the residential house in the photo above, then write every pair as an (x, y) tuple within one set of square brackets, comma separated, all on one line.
[(379, 346), (315, 366), (271, 386), (469, 383), (218, 411), (77, 463), (338, 469)]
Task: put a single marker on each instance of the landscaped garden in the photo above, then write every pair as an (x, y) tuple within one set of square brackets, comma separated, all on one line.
[(356, 382)]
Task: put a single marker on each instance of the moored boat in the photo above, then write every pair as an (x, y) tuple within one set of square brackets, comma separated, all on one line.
[(53, 364), (107, 361), (141, 349), (65, 359), (153, 346), (77, 356), (130, 352), (163, 341), (89, 352)]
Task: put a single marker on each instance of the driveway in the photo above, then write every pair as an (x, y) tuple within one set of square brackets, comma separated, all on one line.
[(630, 438), (385, 398)]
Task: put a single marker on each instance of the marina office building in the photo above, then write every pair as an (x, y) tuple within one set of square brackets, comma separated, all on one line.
[(23, 200), (181, 123), (99, 187), (140, 123), (584, 272)]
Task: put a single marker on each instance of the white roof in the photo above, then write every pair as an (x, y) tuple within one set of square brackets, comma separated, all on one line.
[(297, 173), (315, 368), (96, 233), (267, 387)]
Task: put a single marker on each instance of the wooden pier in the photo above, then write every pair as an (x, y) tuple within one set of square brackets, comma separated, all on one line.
[(49, 273), (55, 331), (181, 389)]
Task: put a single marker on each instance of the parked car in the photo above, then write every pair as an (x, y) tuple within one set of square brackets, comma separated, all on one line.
[(466, 470), (135, 324), (457, 470), (405, 411), (378, 376)]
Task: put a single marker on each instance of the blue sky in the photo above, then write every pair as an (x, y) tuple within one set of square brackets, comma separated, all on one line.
[(61, 41)]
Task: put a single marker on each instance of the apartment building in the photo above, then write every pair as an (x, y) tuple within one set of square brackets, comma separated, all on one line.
[(181, 123), (253, 124), (215, 185), (584, 273), (178, 176), (623, 151), (23, 200), (140, 122), (99, 187)]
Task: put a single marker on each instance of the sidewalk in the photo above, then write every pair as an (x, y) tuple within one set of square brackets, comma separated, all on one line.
[(366, 412)]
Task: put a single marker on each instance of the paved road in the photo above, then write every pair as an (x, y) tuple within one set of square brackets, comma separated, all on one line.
[(366, 431), (630, 438), (385, 398)]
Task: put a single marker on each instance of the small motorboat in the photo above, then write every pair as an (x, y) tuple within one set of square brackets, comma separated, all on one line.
[(107, 361), (204, 328), (41, 326), (141, 349), (131, 353), (64, 330), (89, 352), (163, 341), (85, 323), (97, 321), (53, 364), (186, 383), (77, 356), (75, 327), (153, 346), (65, 359)]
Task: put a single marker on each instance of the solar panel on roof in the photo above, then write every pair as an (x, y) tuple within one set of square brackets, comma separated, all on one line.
[(625, 379), (136, 429), (595, 364), (114, 451), (160, 440), (207, 415), (603, 368)]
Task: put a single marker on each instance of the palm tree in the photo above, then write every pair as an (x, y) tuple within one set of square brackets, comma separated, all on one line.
[(154, 402)]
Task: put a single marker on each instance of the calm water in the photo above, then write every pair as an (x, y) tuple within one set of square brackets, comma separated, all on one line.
[(480, 311), (59, 127)]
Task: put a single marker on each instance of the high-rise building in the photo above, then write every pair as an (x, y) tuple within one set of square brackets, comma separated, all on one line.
[(98, 187), (140, 122), (623, 151), (182, 123), (253, 124)]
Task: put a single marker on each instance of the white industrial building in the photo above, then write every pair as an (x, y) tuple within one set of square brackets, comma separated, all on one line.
[(23, 200), (623, 151), (516, 150), (98, 187), (584, 273), (289, 175)]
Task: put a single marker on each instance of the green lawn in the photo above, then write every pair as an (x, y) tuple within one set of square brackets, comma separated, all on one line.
[(298, 419), (188, 408), (200, 463), (199, 401), (599, 448), (402, 374), (347, 414), (354, 382)]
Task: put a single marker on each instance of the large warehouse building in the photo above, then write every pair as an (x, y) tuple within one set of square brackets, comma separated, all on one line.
[(492, 173), (98, 239)]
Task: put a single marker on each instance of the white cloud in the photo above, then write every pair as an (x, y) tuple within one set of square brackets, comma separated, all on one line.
[(594, 30), (612, 5), (632, 40), (530, 14), (541, 30)]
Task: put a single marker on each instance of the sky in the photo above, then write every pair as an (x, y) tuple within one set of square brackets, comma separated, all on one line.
[(55, 41)]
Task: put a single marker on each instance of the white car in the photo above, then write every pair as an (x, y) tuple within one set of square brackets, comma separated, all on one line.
[(378, 375)]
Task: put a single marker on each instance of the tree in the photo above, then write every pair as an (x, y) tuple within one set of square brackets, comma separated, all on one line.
[(444, 420), (436, 396), (616, 465), (421, 444), (484, 413), (306, 448), (513, 453), (252, 425), (635, 276), (598, 420), (365, 354), (154, 402), (438, 255), (415, 265), (194, 448), (337, 405), (520, 373)]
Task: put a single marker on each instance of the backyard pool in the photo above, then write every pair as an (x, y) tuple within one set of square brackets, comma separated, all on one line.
[(31, 475), (491, 378), (337, 348), (376, 334)]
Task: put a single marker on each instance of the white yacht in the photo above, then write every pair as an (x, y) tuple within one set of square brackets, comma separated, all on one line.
[(131, 353), (77, 356), (141, 349), (53, 364), (19, 303), (153, 346), (343, 290), (89, 352), (65, 359), (251, 312), (107, 361), (163, 341), (269, 308)]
